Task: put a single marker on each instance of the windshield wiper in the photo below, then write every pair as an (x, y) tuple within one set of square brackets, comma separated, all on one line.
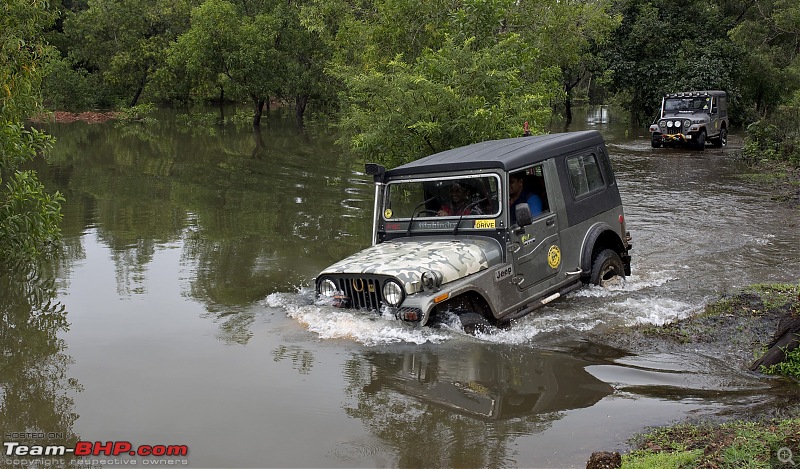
[(413, 212), (465, 211)]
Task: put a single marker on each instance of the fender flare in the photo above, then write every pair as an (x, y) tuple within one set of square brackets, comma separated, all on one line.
[(611, 241)]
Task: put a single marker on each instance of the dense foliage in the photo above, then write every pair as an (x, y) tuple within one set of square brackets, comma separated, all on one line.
[(29, 216), (480, 68)]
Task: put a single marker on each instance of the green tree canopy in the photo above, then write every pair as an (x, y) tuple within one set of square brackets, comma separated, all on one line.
[(770, 33), (228, 48), (126, 40), (666, 46), (29, 216), (570, 35), (446, 98)]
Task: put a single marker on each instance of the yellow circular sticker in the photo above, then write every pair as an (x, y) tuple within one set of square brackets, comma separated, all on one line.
[(554, 257), (387, 213)]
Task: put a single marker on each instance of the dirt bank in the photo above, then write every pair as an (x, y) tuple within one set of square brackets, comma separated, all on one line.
[(739, 327), (90, 117)]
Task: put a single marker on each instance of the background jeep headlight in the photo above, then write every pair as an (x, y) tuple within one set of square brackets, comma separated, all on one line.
[(392, 293), (662, 123), (677, 123), (687, 123), (669, 124), (327, 287)]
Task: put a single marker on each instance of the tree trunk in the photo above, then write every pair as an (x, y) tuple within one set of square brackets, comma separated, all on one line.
[(259, 111), (568, 108), (139, 90), (784, 341), (300, 108), (260, 147)]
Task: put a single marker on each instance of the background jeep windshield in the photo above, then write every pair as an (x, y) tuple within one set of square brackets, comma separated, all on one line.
[(474, 196), (687, 104)]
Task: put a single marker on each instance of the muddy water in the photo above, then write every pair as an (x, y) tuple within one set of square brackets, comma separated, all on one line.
[(180, 312)]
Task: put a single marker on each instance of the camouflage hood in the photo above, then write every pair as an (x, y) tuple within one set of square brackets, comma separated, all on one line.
[(406, 259)]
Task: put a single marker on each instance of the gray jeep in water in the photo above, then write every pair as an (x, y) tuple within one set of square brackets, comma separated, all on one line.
[(692, 118), (445, 240)]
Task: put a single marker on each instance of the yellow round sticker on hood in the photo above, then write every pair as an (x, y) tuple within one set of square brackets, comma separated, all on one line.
[(554, 257)]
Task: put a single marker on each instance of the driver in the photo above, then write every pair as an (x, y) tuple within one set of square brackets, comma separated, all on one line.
[(520, 194), (459, 202)]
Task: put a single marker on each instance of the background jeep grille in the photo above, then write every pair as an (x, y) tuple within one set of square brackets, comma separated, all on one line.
[(362, 291)]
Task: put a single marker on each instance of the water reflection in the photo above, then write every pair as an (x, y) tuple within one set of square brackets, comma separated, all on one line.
[(472, 398), (34, 387), (253, 213)]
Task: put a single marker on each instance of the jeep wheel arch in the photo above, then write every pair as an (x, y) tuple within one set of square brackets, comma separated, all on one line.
[(599, 238), (469, 301)]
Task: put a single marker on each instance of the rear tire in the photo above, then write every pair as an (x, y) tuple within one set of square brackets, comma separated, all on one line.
[(722, 140), (473, 322), (606, 265)]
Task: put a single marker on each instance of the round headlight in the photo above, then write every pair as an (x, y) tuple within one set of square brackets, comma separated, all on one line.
[(392, 293), (669, 124), (687, 123), (327, 288), (677, 123), (662, 123)]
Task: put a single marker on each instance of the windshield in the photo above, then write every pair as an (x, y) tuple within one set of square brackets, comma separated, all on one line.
[(450, 197), (673, 105)]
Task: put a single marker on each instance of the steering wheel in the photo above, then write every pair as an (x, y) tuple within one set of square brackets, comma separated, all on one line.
[(426, 211)]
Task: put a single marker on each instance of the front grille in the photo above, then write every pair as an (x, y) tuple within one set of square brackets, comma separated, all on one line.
[(672, 130), (362, 292)]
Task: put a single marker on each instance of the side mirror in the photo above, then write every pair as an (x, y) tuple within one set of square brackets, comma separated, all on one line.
[(523, 213)]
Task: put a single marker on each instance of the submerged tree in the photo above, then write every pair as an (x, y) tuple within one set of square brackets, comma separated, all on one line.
[(225, 47), (29, 216)]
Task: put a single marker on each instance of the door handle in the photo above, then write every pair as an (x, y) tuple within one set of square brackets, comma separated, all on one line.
[(550, 222)]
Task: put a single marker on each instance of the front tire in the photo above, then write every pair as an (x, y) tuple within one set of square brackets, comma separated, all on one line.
[(700, 143), (655, 142), (473, 322), (606, 266)]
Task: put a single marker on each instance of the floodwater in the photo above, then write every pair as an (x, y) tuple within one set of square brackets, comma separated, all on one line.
[(180, 312)]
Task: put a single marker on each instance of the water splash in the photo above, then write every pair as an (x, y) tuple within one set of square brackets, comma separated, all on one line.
[(364, 327), (634, 301)]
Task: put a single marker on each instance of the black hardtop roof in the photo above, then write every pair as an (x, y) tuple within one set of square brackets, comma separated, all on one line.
[(507, 154), (692, 94)]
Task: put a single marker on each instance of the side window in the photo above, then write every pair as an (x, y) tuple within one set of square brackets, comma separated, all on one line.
[(584, 174)]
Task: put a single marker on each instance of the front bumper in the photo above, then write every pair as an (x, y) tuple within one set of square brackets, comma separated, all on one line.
[(672, 138)]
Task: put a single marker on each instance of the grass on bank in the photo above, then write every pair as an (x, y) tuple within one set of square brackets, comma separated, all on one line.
[(733, 444)]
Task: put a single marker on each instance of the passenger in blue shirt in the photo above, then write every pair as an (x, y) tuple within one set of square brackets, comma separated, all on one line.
[(519, 193)]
